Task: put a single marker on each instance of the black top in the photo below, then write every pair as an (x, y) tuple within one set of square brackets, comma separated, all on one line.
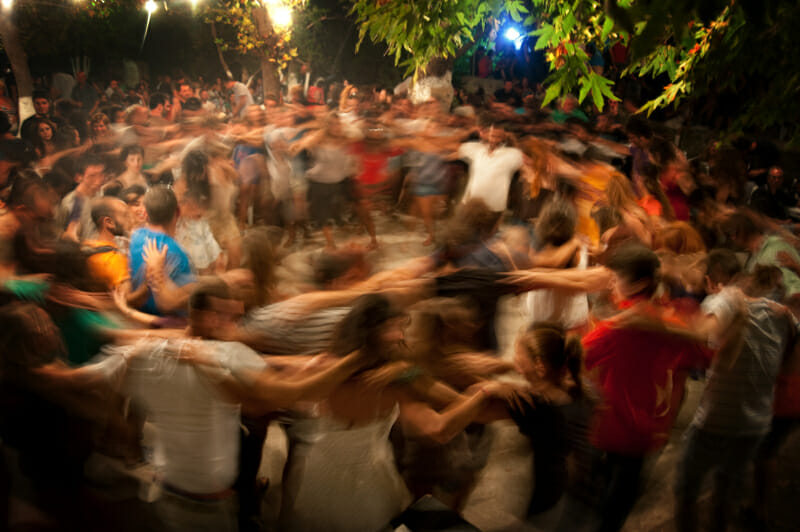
[(547, 426)]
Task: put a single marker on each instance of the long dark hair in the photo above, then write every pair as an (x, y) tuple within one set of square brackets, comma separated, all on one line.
[(557, 350), (360, 329)]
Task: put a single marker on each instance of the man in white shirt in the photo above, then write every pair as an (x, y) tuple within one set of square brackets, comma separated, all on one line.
[(196, 407), (241, 97), (491, 168)]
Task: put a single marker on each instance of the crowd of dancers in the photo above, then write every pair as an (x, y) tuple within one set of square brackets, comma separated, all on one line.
[(148, 313)]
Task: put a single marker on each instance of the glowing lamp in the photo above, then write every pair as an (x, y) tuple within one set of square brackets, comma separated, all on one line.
[(281, 16), (512, 34), (150, 6)]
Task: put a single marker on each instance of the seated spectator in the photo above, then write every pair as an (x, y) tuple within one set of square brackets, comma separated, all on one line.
[(772, 199), (508, 95)]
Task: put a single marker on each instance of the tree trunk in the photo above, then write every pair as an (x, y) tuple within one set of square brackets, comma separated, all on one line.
[(270, 83), (219, 52), (9, 36)]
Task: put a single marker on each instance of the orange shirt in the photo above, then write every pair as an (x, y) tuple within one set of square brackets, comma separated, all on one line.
[(110, 267)]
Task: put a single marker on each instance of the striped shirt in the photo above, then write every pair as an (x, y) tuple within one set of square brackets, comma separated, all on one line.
[(288, 328)]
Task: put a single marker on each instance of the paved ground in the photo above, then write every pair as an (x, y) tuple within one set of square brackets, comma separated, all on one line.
[(504, 487)]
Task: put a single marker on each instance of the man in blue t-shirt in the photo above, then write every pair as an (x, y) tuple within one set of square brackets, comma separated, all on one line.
[(171, 284)]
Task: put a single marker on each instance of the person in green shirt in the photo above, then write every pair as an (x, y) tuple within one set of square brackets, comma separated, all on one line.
[(764, 249), (567, 109)]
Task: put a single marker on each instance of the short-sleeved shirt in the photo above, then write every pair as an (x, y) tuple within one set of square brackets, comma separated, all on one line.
[(288, 328), (641, 376), (490, 173), (767, 255), (197, 428), (737, 400), (178, 267), (110, 267), (239, 89)]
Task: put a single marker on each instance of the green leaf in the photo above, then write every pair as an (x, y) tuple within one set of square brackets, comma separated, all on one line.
[(608, 25), (597, 96), (545, 34), (552, 92), (586, 85)]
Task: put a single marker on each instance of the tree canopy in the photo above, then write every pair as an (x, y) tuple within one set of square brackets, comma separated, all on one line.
[(725, 50)]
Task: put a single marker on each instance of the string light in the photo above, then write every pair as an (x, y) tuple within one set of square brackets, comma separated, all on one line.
[(150, 6)]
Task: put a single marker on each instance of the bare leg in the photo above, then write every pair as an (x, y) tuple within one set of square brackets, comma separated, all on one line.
[(364, 214), (327, 230)]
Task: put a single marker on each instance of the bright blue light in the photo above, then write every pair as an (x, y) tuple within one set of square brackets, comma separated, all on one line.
[(512, 34)]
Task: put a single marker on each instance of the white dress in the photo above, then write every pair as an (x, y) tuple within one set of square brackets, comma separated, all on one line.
[(341, 479), (568, 308)]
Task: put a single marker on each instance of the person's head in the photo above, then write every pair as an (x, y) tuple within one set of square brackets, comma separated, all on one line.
[(194, 169), (158, 104), (741, 231), (569, 103), (132, 156), (619, 192), (662, 151), (493, 135), (117, 115), (45, 130), (679, 238), (766, 281), (161, 206), (67, 137), (508, 85), (81, 78), (30, 198), (255, 116), (192, 107), (229, 83), (639, 132), (775, 178), (556, 224), (41, 103), (473, 220), (546, 353), (440, 323), (100, 125), (340, 269), (259, 256), (213, 309), (29, 333), (185, 91), (372, 326), (133, 196), (203, 95), (722, 267), (635, 269), (111, 216), (91, 175)]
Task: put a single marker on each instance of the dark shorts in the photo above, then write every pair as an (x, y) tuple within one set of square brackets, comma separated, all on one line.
[(326, 202)]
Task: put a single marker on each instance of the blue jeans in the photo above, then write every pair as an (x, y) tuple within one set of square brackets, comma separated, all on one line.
[(727, 457)]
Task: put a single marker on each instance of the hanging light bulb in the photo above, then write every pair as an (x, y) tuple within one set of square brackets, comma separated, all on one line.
[(150, 6)]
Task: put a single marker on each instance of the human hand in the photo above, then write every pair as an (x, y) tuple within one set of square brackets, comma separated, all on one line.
[(154, 258)]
